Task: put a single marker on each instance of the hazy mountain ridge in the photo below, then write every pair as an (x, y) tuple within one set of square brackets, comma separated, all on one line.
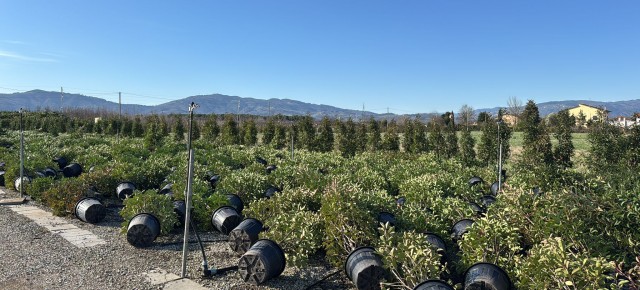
[(221, 104)]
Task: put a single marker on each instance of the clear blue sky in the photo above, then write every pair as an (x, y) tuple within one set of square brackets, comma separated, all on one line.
[(410, 56)]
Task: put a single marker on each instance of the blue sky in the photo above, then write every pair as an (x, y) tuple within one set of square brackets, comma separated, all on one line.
[(408, 56)]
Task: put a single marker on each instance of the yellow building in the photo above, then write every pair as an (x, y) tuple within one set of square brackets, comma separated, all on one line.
[(589, 112), (510, 119)]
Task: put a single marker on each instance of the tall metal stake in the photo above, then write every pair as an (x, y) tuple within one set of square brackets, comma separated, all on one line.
[(189, 194), (499, 158), (21, 156)]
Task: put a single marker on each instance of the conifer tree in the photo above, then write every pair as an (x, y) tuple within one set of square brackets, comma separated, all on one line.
[(373, 139), (536, 149), (268, 132), (178, 129), (324, 138), (230, 134)]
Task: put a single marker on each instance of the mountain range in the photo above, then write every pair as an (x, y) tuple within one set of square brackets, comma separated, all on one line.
[(220, 104)]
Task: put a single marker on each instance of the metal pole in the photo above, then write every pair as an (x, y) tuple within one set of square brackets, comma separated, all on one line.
[(119, 116), (499, 158), (187, 217), (21, 156), (291, 143), (188, 194)]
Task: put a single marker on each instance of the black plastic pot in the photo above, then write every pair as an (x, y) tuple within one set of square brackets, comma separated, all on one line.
[(180, 208), (436, 242), (401, 201), (263, 261), (62, 162), (166, 190), (235, 201), (225, 219), (125, 189), (50, 172), (143, 229), (475, 180), (486, 276), (364, 268), (213, 181), (477, 209), (261, 160), (460, 228), (2, 178), (90, 210), (537, 191), (387, 217), (271, 191), (271, 168), (17, 182), (494, 188), (245, 235), (433, 285), (72, 170), (487, 200)]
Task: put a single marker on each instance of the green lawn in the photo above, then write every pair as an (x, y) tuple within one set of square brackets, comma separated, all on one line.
[(579, 140)]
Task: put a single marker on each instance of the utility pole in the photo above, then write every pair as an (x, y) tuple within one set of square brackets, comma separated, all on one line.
[(238, 114), (61, 98), (269, 107), (119, 116), (362, 112)]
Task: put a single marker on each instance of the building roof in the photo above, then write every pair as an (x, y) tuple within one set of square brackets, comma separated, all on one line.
[(594, 107)]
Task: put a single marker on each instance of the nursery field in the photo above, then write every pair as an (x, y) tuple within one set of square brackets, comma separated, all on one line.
[(426, 217)]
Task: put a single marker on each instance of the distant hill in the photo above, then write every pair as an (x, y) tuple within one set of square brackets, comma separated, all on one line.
[(42, 100), (221, 104), (216, 103), (618, 108)]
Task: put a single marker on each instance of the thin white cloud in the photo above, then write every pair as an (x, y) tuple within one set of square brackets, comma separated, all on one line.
[(16, 56), (16, 42)]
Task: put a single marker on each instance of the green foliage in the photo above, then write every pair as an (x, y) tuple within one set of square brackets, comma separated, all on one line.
[(556, 264), (390, 139), (408, 256), (467, 148), (38, 186), (137, 130), (268, 131), (63, 196), (346, 142), (298, 232), (178, 129), (536, 150), (150, 202), (492, 239), (249, 186), (210, 130), (250, 136), (279, 139), (230, 134), (562, 123), (347, 222), (324, 138)]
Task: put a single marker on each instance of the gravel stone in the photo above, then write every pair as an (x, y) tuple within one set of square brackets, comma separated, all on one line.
[(34, 258)]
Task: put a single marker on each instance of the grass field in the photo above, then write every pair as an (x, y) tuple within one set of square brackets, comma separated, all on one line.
[(580, 141)]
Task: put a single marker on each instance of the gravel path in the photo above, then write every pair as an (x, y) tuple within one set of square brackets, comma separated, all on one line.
[(34, 258)]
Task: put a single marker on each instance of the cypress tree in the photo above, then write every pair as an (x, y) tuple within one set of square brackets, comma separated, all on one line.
[(230, 134), (268, 131), (324, 138), (178, 129), (373, 139), (563, 152), (536, 150)]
